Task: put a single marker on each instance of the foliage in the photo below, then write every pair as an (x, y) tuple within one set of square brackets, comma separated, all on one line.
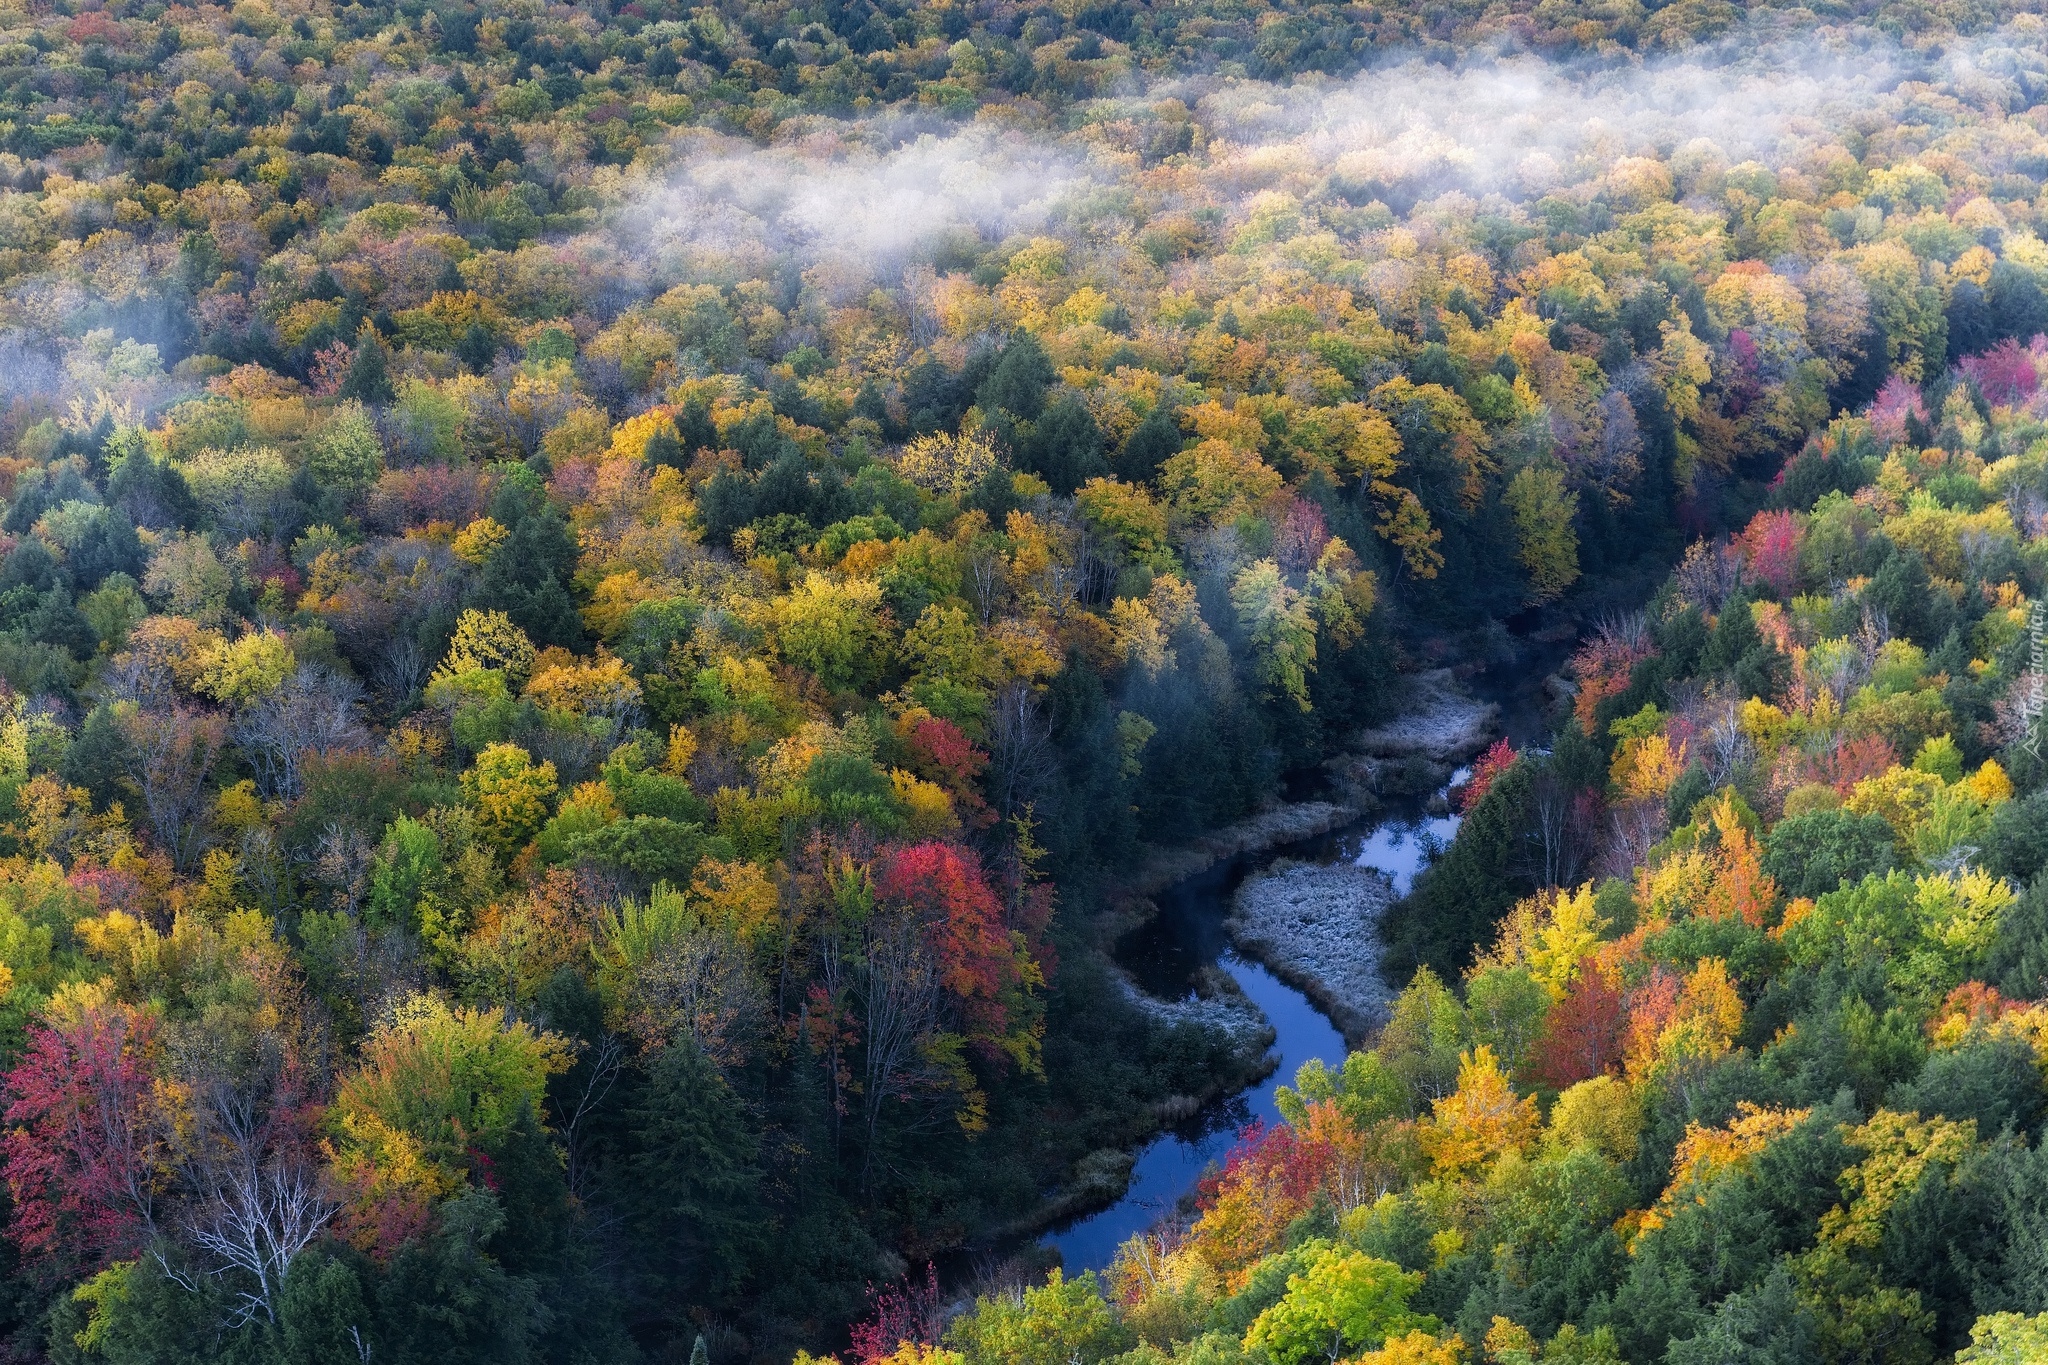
[(590, 635)]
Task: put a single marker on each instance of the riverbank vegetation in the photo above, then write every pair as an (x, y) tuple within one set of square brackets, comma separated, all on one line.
[(591, 601)]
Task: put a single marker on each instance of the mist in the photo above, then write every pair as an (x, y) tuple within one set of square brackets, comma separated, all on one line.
[(864, 198), (845, 199)]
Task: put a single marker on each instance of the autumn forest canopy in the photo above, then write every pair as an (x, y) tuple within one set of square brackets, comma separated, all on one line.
[(597, 603)]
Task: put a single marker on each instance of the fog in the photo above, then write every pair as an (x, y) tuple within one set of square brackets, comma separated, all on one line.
[(859, 199), (838, 199)]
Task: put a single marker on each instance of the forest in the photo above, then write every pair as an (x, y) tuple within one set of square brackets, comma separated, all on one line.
[(595, 599)]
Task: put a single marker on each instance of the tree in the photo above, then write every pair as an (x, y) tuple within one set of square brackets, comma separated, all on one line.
[(1497, 759), (941, 463), (239, 672), (84, 1148), (151, 491), (456, 1081), (1771, 541), (1281, 630), (1062, 1322), (1549, 543), (369, 372), (1423, 1037), (986, 968), (1345, 1301), (527, 575), (1150, 445), (444, 1298), (1601, 1113), (1066, 445), (511, 795), (189, 578), (1506, 1007), (1581, 1035), (488, 639), (1460, 897), (1416, 1348), (836, 630), (253, 1196), (1482, 1120), (1768, 1325), (1810, 855), (907, 1317), (2006, 1339), (346, 452), (2017, 961), (1019, 380), (313, 712), (1991, 1079), (694, 1181), (172, 752)]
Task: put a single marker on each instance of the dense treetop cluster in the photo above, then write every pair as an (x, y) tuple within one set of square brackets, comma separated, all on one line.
[(592, 603)]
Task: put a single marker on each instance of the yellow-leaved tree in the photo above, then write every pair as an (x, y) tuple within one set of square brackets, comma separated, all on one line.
[(1547, 543), (1484, 1119), (487, 640)]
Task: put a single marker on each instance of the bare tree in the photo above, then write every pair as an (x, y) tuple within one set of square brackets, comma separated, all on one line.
[(1709, 575), (1636, 828), (2029, 511), (920, 282), (171, 754), (400, 668), (138, 676), (605, 1060), (1725, 746), (987, 578), (575, 748), (314, 712), (344, 862), (702, 984), (1566, 829), (255, 1218), (264, 869), (897, 980), (1021, 749), (253, 1193)]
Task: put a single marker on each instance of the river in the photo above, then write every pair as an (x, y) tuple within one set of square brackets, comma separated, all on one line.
[(1187, 934), (1163, 956)]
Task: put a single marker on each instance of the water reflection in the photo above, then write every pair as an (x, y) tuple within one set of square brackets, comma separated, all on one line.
[(1401, 847)]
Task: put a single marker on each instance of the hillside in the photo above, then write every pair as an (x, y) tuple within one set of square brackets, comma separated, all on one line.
[(593, 602)]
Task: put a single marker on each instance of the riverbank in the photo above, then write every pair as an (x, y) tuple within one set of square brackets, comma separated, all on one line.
[(1218, 1003), (1316, 927), (1440, 726), (1285, 823)]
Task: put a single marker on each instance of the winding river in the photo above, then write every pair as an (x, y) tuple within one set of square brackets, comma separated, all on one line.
[(1188, 934), (1164, 956)]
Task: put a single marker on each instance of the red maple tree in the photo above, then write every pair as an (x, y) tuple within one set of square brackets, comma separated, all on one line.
[(1490, 765), (81, 1151), (1581, 1035), (1771, 544), (905, 1312), (940, 753), (1851, 761), (982, 964)]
